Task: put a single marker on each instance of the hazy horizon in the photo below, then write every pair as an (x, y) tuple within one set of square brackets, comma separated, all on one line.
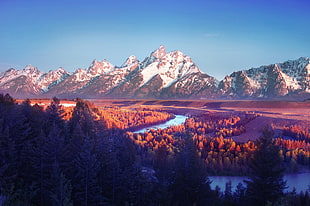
[(220, 36)]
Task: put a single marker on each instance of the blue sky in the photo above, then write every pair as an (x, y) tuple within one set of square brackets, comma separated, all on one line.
[(221, 36)]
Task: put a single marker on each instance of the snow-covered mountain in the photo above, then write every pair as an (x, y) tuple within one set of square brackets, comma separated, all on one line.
[(161, 75), (158, 74), (275, 80), (21, 82)]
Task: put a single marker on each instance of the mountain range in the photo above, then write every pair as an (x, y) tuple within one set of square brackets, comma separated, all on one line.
[(160, 75)]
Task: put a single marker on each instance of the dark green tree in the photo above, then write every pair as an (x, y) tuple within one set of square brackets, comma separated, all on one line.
[(228, 196), (163, 171), (83, 115), (239, 194), (61, 190), (54, 114), (8, 167), (265, 182), (86, 184), (191, 185)]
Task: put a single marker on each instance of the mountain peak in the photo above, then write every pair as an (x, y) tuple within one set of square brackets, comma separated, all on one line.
[(160, 52), (30, 69), (60, 69), (130, 60), (100, 67)]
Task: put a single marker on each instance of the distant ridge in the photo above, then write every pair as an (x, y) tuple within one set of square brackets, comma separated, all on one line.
[(168, 75)]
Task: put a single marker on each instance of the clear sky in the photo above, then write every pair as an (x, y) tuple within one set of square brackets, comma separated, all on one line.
[(221, 36)]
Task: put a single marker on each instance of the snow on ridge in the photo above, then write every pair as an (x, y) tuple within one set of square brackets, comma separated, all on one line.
[(51, 78), (160, 52), (254, 84), (169, 66), (130, 60), (291, 71), (9, 75), (291, 83), (81, 75), (148, 73), (99, 67)]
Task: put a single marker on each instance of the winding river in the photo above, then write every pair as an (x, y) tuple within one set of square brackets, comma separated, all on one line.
[(301, 181), (179, 119)]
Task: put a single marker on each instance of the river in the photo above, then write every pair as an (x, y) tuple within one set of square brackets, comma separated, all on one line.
[(301, 181), (179, 119)]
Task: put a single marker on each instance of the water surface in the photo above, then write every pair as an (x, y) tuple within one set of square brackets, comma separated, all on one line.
[(301, 181), (179, 119)]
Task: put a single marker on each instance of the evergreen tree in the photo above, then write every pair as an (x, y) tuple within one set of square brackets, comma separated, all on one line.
[(239, 194), (54, 114), (162, 164), (86, 184), (228, 196), (163, 169), (108, 167), (71, 150), (7, 100), (8, 167), (46, 154), (191, 185), (40, 161), (266, 178), (61, 189), (126, 172), (83, 115)]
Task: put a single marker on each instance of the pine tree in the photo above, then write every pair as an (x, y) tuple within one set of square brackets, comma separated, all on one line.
[(108, 167), (163, 169), (86, 184), (61, 189), (239, 194), (161, 164), (266, 178), (23, 133), (191, 185), (54, 114), (8, 167), (45, 155), (40, 160), (228, 194), (126, 172), (71, 150), (82, 115)]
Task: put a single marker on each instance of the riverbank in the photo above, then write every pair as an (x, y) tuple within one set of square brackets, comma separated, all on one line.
[(299, 181)]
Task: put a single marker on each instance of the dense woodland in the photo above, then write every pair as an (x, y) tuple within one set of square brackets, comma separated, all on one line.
[(88, 156)]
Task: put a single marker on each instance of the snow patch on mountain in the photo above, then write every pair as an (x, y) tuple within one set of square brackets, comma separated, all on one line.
[(149, 72), (130, 60), (47, 80), (160, 52), (291, 82), (169, 66), (80, 75), (99, 67), (271, 80)]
